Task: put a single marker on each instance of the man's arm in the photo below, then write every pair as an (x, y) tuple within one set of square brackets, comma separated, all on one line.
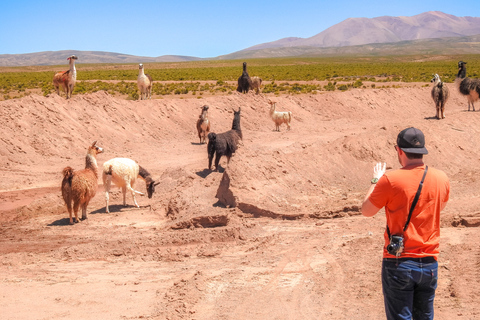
[(368, 208)]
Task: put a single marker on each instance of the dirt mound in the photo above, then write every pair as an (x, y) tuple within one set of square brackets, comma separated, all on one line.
[(275, 234)]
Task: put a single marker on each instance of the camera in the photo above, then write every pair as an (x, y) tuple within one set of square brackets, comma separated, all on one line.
[(395, 247)]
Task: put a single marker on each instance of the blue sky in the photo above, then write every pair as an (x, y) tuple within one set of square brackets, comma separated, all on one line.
[(183, 27)]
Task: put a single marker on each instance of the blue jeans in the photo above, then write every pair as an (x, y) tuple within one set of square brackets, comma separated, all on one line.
[(409, 287)]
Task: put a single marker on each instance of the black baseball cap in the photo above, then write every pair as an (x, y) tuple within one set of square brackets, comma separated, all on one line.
[(412, 140)]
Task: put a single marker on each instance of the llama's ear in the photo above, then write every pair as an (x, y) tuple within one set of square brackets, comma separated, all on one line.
[(156, 183), (94, 143)]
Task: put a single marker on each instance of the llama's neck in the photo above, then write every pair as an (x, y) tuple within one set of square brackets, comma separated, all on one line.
[(272, 109), (203, 116), (144, 174), (91, 163), (141, 72), (236, 126), (462, 73), (73, 71)]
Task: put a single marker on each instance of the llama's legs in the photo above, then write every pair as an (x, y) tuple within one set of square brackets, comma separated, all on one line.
[(133, 194), (69, 208), (210, 158), (106, 184), (76, 205), (124, 192), (217, 160), (84, 211)]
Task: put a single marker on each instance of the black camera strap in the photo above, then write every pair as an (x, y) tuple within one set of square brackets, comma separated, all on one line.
[(414, 203)]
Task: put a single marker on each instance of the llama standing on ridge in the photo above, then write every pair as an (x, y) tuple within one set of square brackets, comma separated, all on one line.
[(244, 82), (467, 86), (279, 117), (439, 95), (224, 144), (81, 186), (203, 125), (256, 84), (66, 79), (144, 83)]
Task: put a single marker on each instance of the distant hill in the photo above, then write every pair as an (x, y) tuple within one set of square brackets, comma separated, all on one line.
[(386, 29), (60, 57), (451, 46)]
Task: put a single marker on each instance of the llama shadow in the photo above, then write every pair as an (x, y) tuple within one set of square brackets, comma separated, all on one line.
[(219, 204), (206, 172), (61, 222), (431, 118), (198, 143), (114, 208)]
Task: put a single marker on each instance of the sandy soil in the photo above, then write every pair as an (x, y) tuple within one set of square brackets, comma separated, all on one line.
[(293, 246)]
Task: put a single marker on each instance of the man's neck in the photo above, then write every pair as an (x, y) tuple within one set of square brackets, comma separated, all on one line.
[(413, 162)]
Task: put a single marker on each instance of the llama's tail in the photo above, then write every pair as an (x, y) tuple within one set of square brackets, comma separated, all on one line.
[(212, 141), (67, 173), (109, 170), (212, 136)]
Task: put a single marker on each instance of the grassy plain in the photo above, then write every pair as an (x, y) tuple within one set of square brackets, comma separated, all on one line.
[(280, 75)]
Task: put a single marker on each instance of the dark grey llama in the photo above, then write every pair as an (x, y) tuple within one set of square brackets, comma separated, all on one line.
[(244, 82), (224, 144), (467, 86)]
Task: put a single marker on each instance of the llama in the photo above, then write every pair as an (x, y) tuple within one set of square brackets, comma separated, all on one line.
[(256, 84), (144, 83), (224, 144), (439, 95), (66, 79), (244, 82), (123, 172), (81, 186), (467, 86), (279, 117), (203, 125)]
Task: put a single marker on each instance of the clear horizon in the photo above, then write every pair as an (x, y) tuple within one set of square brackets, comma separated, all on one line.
[(205, 30)]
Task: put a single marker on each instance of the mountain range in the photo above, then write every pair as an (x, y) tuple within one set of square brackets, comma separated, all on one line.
[(359, 31), (430, 32)]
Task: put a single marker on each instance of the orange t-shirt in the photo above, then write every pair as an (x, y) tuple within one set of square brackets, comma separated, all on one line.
[(395, 191)]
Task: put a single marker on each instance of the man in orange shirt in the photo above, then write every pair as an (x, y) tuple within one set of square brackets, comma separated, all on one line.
[(409, 267)]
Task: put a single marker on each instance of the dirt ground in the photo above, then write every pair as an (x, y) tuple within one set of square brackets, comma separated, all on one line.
[(275, 235)]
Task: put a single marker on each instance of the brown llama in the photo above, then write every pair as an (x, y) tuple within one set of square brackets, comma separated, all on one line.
[(66, 79), (203, 125), (256, 84), (81, 186)]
